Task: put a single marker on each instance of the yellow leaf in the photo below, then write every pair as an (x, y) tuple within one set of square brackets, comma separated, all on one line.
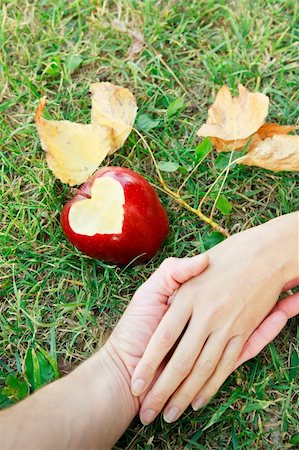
[(280, 152), (232, 118), (269, 129), (73, 151), (114, 107)]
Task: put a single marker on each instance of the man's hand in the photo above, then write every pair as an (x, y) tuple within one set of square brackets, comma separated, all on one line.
[(92, 406), (147, 307)]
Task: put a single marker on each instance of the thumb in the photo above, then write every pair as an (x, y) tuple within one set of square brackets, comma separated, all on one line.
[(173, 272), (182, 269)]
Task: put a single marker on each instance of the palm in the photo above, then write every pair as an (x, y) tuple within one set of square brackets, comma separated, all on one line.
[(149, 304), (136, 327)]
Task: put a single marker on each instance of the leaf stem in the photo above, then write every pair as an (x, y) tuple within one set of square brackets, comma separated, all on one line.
[(192, 172), (215, 182), (221, 187), (176, 195)]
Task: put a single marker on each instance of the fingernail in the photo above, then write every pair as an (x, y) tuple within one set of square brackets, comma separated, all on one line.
[(137, 386), (198, 403), (171, 414), (147, 416)]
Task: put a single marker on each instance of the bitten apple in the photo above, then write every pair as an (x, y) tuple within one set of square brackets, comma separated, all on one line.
[(116, 216)]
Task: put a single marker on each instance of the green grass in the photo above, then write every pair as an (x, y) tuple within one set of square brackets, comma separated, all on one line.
[(57, 305)]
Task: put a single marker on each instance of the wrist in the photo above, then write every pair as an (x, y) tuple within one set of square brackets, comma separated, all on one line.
[(282, 238), (104, 398), (273, 247), (89, 408), (115, 367)]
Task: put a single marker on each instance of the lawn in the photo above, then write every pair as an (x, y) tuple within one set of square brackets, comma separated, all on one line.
[(58, 305)]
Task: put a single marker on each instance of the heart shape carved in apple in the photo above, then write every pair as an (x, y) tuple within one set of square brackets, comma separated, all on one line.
[(103, 213)]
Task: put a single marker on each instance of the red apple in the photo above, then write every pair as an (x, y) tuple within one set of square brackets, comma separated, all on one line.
[(116, 216)]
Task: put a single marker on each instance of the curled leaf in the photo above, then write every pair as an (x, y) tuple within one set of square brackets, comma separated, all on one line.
[(73, 151), (270, 129), (280, 152), (113, 107), (265, 131), (227, 146), (232, 118)]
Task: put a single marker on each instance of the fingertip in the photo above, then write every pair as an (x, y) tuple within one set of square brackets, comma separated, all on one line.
[(279, 317), (137, 387), (196, 264), (202, 258), (147, 416)]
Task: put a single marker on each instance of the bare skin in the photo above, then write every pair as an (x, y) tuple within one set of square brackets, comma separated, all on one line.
[(220, 309), (93, 406)]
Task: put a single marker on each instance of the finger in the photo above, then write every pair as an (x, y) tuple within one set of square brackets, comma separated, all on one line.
[(171, 274), (202, 369), (163, 339), (261, 337), (291, 284), (183, 269), (176, 370), (270, 327), (175, 271), (224, 369), (289, 305), (201, 372)]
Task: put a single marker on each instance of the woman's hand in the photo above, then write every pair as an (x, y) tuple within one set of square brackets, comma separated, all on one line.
[(133, 332), (266, 332), (213, 316)]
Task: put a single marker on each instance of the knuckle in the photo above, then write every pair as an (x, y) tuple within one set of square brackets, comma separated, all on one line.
[(206, 366), (212, 388), (147, 370), (229, 364), (182, 366), (183, 398), (168, 263), (166, 338), (158, 399)]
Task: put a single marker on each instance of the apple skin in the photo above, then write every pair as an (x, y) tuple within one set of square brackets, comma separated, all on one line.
[(145, 223)]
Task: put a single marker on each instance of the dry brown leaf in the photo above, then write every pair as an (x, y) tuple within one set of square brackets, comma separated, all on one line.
[(227, 146), (280, 152), (73, 151), (232, 118), (265, 131), (269, 129), (135, 48), (113, 107), (138, 41)]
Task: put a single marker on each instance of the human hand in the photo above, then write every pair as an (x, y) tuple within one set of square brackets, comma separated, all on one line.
[(220, 310), (264, 334), (95, 400), (147, 307)]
